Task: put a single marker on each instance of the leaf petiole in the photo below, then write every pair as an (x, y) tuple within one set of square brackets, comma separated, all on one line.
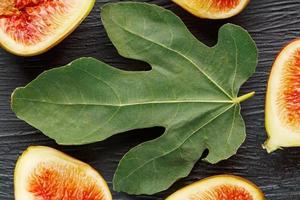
[(243, 98)]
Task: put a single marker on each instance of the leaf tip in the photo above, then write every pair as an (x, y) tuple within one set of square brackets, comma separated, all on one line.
[(13, 97)]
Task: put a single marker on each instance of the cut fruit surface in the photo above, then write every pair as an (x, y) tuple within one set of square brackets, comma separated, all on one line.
[(283, 100), (213, 9), (31, 27), (222, 187), (43, 173)]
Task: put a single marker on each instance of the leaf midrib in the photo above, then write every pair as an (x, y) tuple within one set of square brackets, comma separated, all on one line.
[(127, 104)]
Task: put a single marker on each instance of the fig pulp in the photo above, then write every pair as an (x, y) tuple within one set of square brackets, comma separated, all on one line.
[(43, 173), (283, 100), (31, 27), (289, 94), (222, 187), (213, 9)]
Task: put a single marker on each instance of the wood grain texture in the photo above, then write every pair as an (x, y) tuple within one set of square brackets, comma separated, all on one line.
[(272, 23)]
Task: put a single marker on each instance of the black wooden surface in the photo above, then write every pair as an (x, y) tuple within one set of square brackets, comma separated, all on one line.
[(272, 23)]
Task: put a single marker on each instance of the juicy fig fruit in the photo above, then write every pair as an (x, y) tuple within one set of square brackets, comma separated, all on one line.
[(31, 27), (283, 100), (43, 173), (225, 187), (213, 9)]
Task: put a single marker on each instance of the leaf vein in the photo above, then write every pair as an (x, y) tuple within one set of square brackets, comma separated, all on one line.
[(232, 124), (236, 65), (177, 52), (178, 146), (92, 75)]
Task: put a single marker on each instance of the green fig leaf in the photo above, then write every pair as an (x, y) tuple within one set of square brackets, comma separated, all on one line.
[(191, 90)]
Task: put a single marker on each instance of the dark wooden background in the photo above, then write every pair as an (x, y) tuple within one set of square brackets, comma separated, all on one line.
[(272, 23)]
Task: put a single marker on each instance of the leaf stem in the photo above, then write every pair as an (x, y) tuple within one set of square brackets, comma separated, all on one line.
[(243, 98)]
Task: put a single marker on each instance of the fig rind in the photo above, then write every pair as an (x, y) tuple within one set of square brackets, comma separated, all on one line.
[(10, 45), (193, 7), (28, 163), (207, 186), (280, 134)]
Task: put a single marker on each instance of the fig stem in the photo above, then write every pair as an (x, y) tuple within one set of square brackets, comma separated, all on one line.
[(243, 98), (270, 146)]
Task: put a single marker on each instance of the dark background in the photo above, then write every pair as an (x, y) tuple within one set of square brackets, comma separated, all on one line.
[(272, 23)]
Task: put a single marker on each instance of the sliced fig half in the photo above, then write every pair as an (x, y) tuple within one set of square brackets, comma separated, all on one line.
[(221, 187), (213, 9), (43, 173), (283, 100), (31, 27)]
